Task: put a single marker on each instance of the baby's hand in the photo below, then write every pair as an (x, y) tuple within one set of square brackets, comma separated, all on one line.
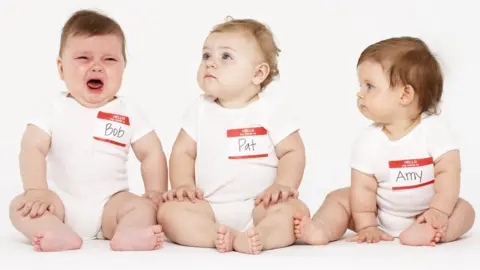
[(36, 202), (276, 193), (186, 191), (155, 196), (437, 219), (370, 235)]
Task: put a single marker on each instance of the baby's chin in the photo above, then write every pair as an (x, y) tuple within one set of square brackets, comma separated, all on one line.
[(94, 100)]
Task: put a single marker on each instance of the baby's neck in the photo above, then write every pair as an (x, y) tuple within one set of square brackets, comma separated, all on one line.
[(401, 127), (237, 103)]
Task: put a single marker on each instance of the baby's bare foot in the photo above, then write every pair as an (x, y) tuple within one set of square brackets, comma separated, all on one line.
[(309, 232), (224, 241), (248, 242), (138, 239), (420, 235), (60, 240)]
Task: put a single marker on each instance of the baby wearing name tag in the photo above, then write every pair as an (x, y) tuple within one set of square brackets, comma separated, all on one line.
[(75, 149), (405, 167), (239, 159)]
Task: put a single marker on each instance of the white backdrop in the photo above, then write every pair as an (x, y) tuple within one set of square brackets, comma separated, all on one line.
[(320, 42)]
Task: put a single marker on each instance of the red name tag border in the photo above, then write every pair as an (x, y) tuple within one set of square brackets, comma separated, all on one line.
[(114, 118), (241, 132)]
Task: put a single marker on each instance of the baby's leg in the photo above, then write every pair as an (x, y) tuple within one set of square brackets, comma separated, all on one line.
[(460, 222), (273, 227), (189, 224), (129, 221), (330, 221), (47, 232)]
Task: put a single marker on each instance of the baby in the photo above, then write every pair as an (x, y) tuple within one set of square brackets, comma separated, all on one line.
[(81, 190), (239, 159), (405, 167)]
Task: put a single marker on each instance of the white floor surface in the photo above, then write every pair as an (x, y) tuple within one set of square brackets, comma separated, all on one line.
[(16, 252)]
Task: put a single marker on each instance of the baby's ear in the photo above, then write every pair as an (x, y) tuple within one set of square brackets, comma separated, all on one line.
[(261, 73), (60, 67), (407, 95)]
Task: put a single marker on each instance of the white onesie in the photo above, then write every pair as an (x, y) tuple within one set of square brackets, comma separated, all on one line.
[(87, 161), (236, 159), (404, 169)]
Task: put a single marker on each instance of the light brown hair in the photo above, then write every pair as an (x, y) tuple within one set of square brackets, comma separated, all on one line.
[(264, 37), (409, 61), (91, 23)]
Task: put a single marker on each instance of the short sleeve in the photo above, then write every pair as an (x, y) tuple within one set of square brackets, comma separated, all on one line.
[(439, 138), (190, 118), (139, 122), (281, 121), (43, 113), (362, 150)]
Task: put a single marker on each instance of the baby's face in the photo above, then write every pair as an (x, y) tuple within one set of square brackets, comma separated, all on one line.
[(92, 68), (377, 101), (228, 66)]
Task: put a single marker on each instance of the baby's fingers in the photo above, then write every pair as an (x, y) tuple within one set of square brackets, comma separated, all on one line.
[(179, 194), (361, 238), (42, 209), (35, 207), (386, 237), (51, 208), (191, 195), (266, 199), (275, 196), (284, 195), (351, 238), (294, 193), (27, 208), (259, 199), (355, 238), (171, 195), (199, 193)]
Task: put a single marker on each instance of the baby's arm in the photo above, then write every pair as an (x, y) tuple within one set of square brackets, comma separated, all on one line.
[(447, 182), (149, 152), (34, 149), (182, 161), (182, 169), (291, 165), (363, 200)]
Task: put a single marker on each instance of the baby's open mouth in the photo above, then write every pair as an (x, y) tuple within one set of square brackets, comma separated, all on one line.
[(95, 84)]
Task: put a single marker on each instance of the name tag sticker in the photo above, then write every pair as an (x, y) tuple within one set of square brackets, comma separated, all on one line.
[(112, 128), (244, 143), (411, 173)]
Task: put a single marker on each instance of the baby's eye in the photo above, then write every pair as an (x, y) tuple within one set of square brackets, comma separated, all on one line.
[(369, 86), (205, 56), (111, 59), (82, 57), (226, 56)]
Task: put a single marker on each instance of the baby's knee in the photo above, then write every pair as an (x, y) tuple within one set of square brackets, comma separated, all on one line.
[(16, 204), (467, 209), (299, 207), (169, 208), (138, 204), (341, 196), (290, 207)]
